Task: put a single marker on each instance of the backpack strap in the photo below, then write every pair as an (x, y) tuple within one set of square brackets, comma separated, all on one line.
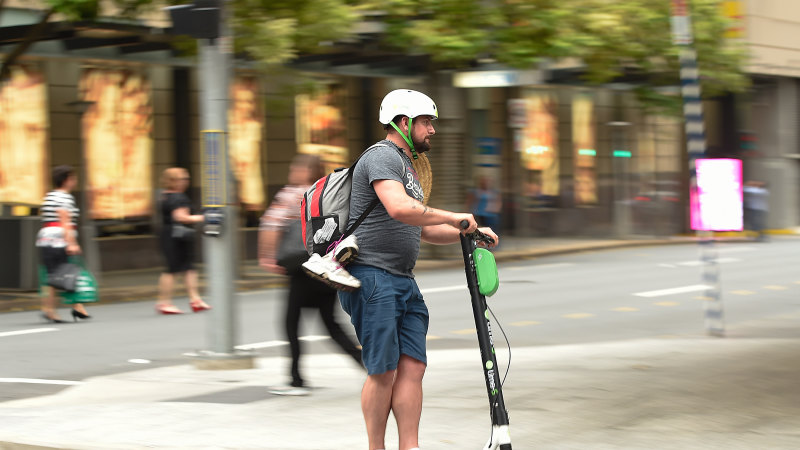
[(361, 218), (372, 204)]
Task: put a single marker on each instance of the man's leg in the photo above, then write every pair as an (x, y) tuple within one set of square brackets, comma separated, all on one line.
[(376, 400), (407, 400)]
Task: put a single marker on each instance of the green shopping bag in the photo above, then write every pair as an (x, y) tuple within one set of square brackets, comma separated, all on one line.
[(85, 286)]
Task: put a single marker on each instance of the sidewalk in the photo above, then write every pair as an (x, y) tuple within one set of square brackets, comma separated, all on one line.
[(693, 392), (136, 285)]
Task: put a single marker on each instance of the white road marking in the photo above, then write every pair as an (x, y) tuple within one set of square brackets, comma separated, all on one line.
[(139, 361), (266, 344), (269, 344), (700, 263), (29, 331), (39, 381), (313, 338), (443, 289), (672, 291)]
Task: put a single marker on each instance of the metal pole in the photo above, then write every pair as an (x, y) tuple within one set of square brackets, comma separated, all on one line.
[(696, 147), (218, 249)]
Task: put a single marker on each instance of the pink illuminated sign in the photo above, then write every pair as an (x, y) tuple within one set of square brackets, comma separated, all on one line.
[(716, 201)]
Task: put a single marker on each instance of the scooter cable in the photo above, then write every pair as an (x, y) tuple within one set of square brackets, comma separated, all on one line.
[(508, 368)]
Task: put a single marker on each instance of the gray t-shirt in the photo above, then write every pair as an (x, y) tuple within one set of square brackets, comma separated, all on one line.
[(382, 241)]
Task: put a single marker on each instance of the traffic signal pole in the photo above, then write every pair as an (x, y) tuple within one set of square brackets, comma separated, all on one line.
[(205, 20)]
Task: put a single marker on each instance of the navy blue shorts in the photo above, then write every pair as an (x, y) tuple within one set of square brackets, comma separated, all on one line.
[(389, 315)]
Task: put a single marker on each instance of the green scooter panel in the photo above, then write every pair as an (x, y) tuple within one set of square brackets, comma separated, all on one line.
[(486, 270)]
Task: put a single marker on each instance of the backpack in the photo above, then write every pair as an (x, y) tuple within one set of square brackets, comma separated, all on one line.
[(325, 209)]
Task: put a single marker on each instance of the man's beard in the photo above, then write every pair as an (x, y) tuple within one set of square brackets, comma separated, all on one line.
[(421, 146)]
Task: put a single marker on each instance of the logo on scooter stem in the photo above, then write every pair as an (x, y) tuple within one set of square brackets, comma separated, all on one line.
[(490, 378)]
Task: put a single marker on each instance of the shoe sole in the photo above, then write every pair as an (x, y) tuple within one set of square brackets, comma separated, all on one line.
[(348, 255), (326, 280)]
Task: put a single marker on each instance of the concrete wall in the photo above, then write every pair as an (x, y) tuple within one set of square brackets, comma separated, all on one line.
[(770, 28)]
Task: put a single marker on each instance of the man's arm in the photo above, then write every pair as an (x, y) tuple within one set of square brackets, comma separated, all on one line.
[(411, 211), (440, 234), (445, 234)]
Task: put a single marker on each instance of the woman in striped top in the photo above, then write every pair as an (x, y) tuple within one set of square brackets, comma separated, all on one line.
[(58, 237)]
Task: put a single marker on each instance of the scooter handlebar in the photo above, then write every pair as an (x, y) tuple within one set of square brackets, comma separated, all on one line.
[(477, 235)]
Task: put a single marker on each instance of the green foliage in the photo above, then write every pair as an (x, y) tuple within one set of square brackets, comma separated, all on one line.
[(609, 37), (274, 31)]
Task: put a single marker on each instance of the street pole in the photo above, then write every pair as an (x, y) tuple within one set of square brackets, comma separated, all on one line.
[(696, 148), (205, 20)]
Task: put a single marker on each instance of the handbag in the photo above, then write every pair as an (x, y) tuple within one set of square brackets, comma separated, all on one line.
[(182, 232), (64, 277), (85, 285), (291, 250)]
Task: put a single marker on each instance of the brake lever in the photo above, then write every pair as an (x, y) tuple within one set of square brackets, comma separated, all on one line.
[(477, 235)]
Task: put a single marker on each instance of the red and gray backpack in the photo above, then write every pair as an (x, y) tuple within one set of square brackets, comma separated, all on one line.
[(325, 209)]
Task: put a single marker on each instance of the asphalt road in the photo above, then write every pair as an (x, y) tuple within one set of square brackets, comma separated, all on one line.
[(591, 297)]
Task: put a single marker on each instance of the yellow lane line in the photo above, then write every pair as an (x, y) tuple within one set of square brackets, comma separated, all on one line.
[(625, 309), (743, 292), (577, 316), (775, 287), (464, 331), (666, 303)]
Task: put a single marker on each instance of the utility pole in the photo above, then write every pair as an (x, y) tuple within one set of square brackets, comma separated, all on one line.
[(696, 148), (205, 20)]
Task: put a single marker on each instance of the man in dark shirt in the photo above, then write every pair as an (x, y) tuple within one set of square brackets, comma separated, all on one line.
[(388, 311)]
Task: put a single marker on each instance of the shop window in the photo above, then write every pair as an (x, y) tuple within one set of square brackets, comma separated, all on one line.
[(24, 125), (320, 119), (118, 149)]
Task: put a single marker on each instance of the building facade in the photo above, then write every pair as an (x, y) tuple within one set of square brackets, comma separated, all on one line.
[(564, 159)]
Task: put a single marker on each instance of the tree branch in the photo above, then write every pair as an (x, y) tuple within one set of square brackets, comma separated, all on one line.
[(33, 35)]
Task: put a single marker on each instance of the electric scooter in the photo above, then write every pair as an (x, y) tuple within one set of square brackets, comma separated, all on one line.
[(482, 280)]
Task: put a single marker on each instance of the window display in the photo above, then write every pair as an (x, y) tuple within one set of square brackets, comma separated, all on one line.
[(23, 137)]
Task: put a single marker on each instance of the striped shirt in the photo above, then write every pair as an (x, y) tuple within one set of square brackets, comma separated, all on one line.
[(55, 200)]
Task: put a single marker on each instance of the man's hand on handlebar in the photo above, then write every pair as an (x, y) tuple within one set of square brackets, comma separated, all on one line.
[(464, 223)]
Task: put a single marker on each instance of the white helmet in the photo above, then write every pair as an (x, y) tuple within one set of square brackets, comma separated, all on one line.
[(405, 102)]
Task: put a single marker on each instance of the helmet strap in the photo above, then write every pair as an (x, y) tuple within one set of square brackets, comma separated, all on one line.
[(407, 138)]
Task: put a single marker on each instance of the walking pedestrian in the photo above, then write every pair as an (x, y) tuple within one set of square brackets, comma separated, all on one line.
[(281, 250), (388, 311), (58, 237), (756, 206), (177, 240), (485, 203)]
